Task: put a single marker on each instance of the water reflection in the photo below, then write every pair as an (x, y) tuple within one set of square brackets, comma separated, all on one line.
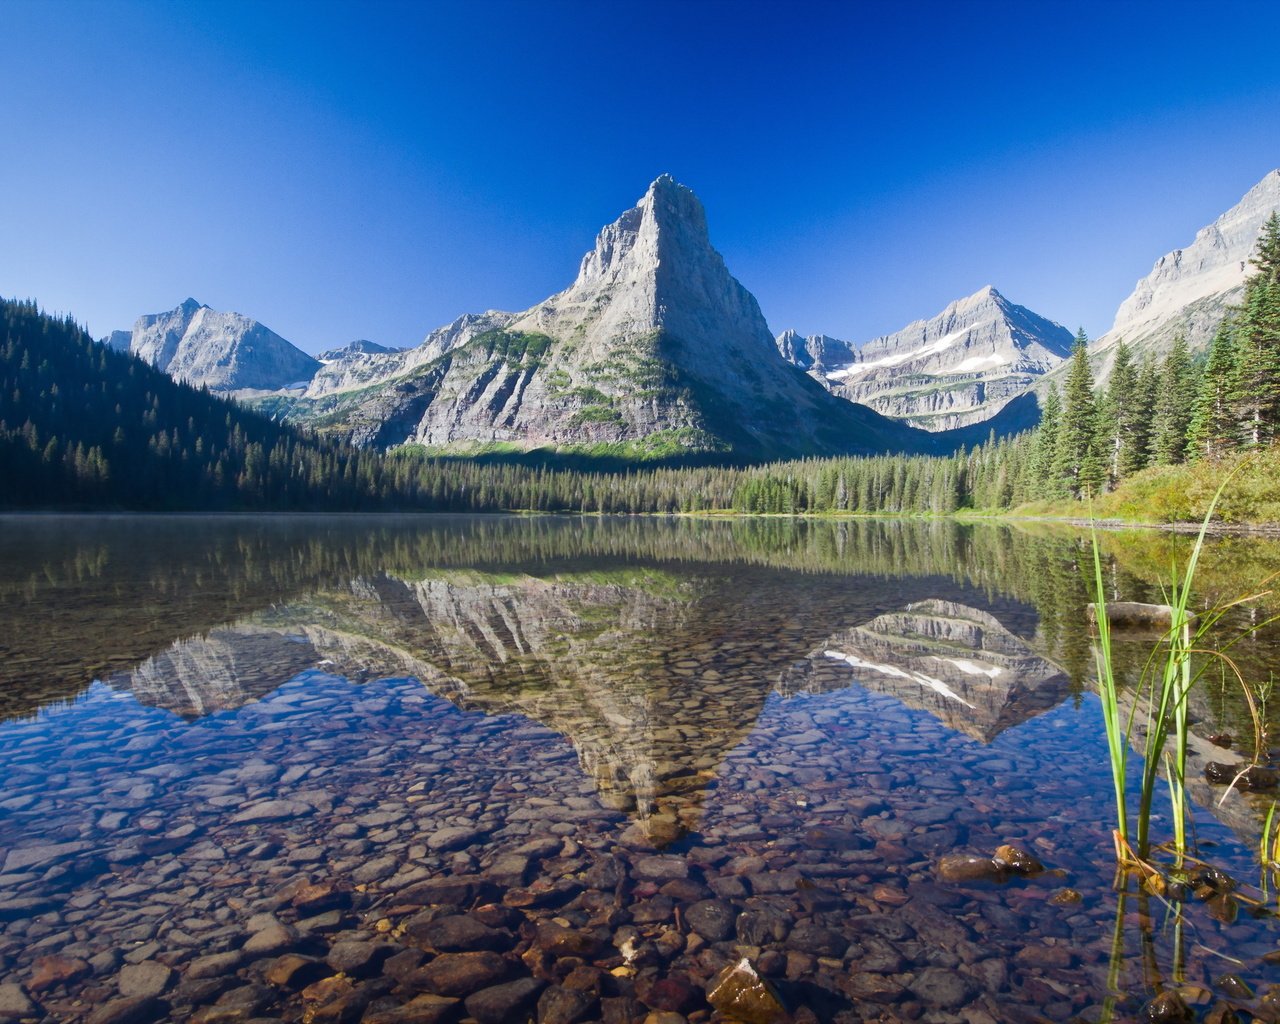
[(816, 710), (954, 661)]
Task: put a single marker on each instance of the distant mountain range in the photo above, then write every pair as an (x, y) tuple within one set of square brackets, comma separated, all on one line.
[(656, 349), (962, 366)]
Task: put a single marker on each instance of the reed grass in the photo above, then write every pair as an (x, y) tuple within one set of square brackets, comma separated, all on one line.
[(1166, 682)]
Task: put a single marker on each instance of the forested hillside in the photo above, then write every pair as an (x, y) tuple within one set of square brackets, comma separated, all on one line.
[(84, 426)]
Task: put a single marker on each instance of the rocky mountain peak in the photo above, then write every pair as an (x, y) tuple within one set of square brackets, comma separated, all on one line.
[(960, 367), (221, 351), (1189, 290), (668, 223)]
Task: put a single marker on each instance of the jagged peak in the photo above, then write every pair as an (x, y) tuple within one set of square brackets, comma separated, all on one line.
[(673, 205), (190, 305)]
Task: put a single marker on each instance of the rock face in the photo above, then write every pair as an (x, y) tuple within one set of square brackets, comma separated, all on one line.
[(1189, 290), (654, 346), (960, 367), (221, 351), (363, 364)]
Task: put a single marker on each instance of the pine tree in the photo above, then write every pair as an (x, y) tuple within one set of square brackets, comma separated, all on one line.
[(1076, 463), (1045, 445), (1117, 414), (1174, 403), (1212, 432), (1255, 382), (1137, 455)]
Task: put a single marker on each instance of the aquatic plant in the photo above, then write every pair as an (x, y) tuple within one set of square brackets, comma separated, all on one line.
[(1174, 665)]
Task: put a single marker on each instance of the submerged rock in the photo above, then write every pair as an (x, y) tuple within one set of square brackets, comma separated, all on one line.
[(968, 867), (1016, 860), (739, 992), (1167, 1008)]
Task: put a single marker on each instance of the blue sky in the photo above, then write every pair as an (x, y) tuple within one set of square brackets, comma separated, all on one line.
[(341, 170)]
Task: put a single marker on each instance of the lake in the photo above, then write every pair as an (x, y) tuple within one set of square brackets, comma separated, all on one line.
[(497, 768)]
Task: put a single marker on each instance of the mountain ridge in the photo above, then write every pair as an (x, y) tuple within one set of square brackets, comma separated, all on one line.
[(958, 368)]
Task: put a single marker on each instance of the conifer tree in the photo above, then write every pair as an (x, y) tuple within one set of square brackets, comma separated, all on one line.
[(1212, 432), (1076, 463), (1174, 402), (1255, 381), (1117, 414), (1045, 446), (1137, 455)]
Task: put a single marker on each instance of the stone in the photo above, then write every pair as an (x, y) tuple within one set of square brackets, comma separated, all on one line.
[(358, 959), (712, 919), (319, 897), (740, 993), (459, 974), (561, 1005), (501, 1003), (942, 988), (294, 971), (40, 855), (672, 991), (873, 987), (758, 927), (129, 1010), (560, 941), (214, 965), (807, 937), (15, 1003), (444, 840), (459, 933), (660, 868), (1167, 1008), (53, 972), (621, 1010), (1016, 860), (270, 939), (149, 978), (423, 1009), (271, 810), (967, 867)]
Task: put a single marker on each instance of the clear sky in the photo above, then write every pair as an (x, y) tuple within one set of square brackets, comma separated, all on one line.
[(373, 170)]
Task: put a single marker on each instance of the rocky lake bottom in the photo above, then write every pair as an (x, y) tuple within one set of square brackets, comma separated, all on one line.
[(562, 770)]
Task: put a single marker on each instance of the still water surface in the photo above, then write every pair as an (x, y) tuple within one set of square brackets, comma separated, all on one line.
[(562, 769)]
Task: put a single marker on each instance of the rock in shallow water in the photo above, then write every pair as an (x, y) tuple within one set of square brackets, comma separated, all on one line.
[(502, 1003), (968, 867), (741, 994)]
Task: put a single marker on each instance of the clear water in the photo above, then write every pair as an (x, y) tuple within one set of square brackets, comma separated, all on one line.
[(686, 742)]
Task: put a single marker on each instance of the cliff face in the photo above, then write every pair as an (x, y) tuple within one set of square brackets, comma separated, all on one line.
[(958, 368), (654, 346), (1189, 290)]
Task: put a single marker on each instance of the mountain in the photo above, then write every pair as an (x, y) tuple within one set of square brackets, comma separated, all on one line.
[(960, 367), (363, 364), (654, 349), (1189, 290), (221, 351), (362, 347)]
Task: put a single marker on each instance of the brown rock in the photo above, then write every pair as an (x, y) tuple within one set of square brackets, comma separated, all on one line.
[(967, 867), (502, 1003), (459, 974), (739, 992), (1016, 860), (52, 972)]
